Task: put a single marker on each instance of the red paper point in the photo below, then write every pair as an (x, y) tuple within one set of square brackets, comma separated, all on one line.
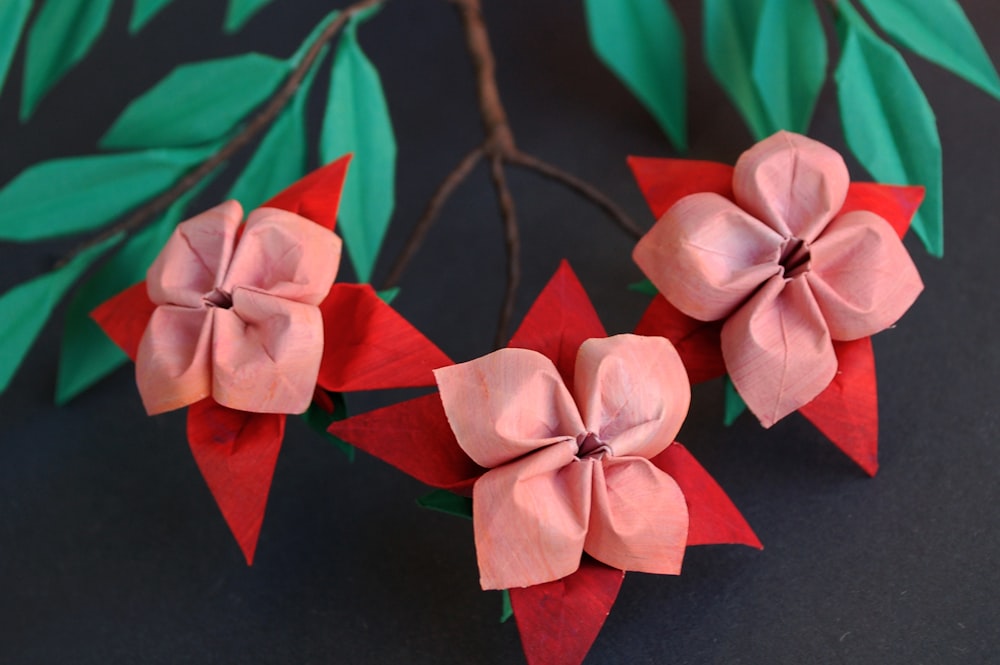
[(560, 620), (125, 316), (697, 342), (665, 181), (236, 452), (316, 196), (896, 204)]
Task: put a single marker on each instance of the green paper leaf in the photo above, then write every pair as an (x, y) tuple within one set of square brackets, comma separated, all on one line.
[(734, 405), (197, 102), (65, 196), (789, 62), (730, 32), (447, 502), (13, 16), (644, 287), (939, 31), (62, 34), (357, 121), (143, 12), (888, 123), (87, 355), (320, 420), (506, 609), (26, 307), (300, 53), (388, 295), (241, 11), (643, 44)]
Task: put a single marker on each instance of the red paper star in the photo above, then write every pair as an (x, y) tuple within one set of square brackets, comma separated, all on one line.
[(559, 620), (847, 410), (367, 346)]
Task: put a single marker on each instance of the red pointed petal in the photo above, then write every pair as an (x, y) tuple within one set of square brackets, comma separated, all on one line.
[(236, 452), (367, 345), (894, 203), (665, 181), (559, 321), (125, 316), (697, 342), (713, 517), (560, 620), (317, 195), (415, 438), (847, 411)]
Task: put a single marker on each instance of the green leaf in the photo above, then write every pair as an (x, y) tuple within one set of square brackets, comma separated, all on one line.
[(789, 62), (447, 502), (888, 123), (241, 11), (13, 16), (730, 34), (65, 196), (197, 102), (388, 295), (644, 287), (26, 307), (87, 355), (60, 37), (357, 121), (940, 32), (313, 35), (506, 609), (319, 420), (734, 405), (143, 12), (643, 44)]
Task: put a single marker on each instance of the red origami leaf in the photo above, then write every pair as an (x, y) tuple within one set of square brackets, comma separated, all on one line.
[(846, 412), (560, 620), (125, 316), (665, 181), (895, 204), (559, 321), (712, 517), (369, 346), (316, 196), (414, 437), (696, 341), (236, 452)]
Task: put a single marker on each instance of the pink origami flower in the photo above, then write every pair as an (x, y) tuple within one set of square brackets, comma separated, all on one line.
[(795, 264)]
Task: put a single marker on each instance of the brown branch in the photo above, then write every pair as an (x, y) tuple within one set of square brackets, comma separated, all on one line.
[(512, 238), (255, 126)]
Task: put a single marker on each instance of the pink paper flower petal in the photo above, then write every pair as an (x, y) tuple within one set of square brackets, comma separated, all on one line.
[(173, 363), (793, 183), (266, 353), (633, 392), (639, 519), (778, 350), (697, 342), (285, 255), (861, 275), (530, 517), (707, 256), (507, 404), (195, 258)]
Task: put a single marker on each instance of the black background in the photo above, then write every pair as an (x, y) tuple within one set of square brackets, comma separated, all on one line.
[(112, 550)]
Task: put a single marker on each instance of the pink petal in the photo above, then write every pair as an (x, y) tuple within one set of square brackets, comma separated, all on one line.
[(861, 275), (266, 353), (707, 256), (195, 258), (633, 392), (506, 404), (124, 317), (778, 349), (317, 195), (793, 183), (664, 182), (697, 342), (285, 255), (639, 519), (530, 518), (173, 364), (894, 203)]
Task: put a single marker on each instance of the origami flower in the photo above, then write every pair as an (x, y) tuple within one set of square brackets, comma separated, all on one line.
[(242, 324), (585, 479), (794, 265)]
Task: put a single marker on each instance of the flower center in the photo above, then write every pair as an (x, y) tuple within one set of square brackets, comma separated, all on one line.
[(218, 298), (795, 258), (591, 446)]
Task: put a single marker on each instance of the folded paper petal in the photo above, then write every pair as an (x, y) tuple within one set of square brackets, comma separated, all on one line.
[(173, 363), (707, 256), (633, 393), (861, 275), (664, 182), (894, 203), (697, 342), (791, 182), (124, 318), (778, 350), (316, 196)]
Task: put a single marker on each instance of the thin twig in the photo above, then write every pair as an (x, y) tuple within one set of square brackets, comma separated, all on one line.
[(512, 238), (255, 126)]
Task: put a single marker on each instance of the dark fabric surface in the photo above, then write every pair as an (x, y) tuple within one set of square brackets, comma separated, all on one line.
[(112, 550)]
